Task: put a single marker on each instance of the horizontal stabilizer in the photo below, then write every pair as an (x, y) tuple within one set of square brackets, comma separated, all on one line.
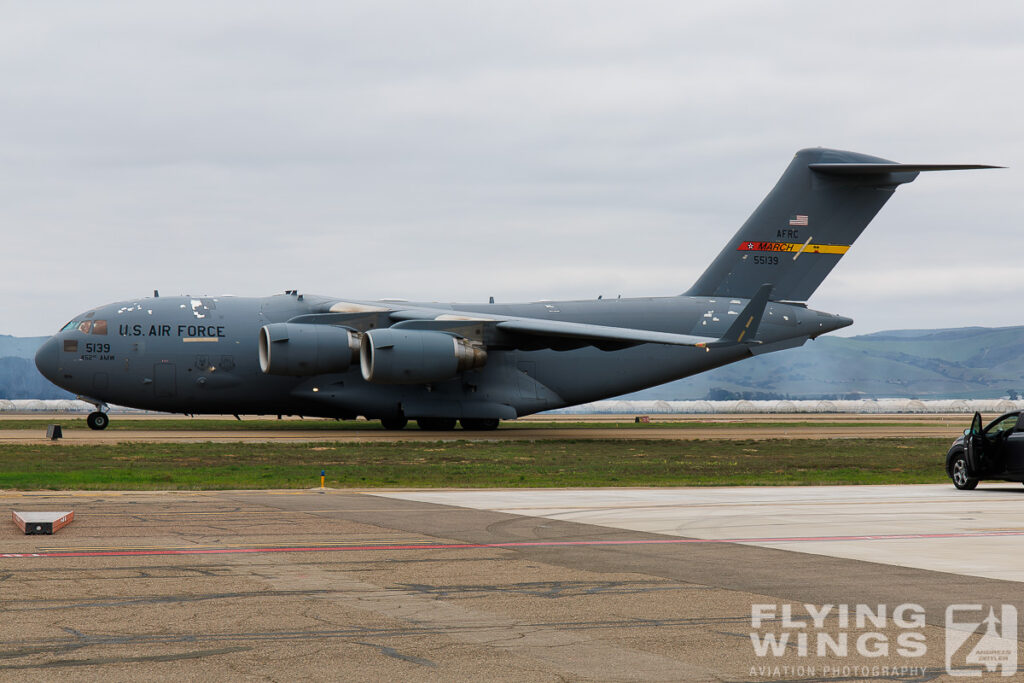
[(868, 169)]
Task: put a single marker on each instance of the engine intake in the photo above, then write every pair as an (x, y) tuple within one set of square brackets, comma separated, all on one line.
[(299, 349), (398, 356)]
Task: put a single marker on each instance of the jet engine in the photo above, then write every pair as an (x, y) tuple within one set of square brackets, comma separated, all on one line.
[(299, 349), (398, 356)]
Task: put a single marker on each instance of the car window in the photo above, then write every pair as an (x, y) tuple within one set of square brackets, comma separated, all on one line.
[(1006, 424)]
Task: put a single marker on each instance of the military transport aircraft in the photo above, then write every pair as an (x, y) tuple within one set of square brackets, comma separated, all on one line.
[(300, 354)]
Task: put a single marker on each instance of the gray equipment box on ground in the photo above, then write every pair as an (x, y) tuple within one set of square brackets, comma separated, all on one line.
[(42, 522)]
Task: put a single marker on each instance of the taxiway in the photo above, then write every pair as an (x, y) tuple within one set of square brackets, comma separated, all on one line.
[(599, 584)]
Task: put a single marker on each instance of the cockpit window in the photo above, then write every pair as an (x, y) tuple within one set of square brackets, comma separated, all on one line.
[(85, 326), (99, 327), (70, 326)]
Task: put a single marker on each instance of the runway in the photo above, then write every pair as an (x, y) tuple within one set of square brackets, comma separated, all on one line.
[(662, 427), (354, 436), (597, 584)]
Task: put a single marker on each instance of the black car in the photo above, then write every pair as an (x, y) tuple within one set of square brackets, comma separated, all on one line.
[(992, 452)]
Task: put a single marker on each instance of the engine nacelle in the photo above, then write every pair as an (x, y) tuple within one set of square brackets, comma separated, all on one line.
[(299, 349), (399, 356)]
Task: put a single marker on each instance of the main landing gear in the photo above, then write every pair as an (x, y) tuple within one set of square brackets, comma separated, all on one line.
[(393, 422), (479, 424), (469, 424), (436, 424), (443, 424), (97, 420)]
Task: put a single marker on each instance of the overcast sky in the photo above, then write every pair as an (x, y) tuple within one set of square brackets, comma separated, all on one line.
[(521, 150)]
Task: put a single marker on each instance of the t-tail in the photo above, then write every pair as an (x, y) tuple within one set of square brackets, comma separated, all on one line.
[(797, 235)]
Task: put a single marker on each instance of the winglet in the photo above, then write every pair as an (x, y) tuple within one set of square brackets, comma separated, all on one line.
[(749, 318)]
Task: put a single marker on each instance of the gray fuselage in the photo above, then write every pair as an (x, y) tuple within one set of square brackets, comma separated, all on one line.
[(199, 355)]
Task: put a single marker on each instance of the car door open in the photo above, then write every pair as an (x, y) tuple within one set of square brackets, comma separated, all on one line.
[(974, 444)]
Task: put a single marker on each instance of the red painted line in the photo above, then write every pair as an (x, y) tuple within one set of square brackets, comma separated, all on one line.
[(511, 544)]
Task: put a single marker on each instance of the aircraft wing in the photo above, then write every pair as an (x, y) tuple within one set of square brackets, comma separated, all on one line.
[(534, 333), (545, 333), (584, 331), (503, 330), (741, 331)]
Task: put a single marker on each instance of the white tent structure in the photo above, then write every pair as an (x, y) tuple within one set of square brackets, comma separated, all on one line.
[(951, 406), (70, 406), (881, 406), (63, 405), (30, 405)]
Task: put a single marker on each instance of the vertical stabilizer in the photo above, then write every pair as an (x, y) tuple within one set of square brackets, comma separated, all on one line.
[(797, 235)]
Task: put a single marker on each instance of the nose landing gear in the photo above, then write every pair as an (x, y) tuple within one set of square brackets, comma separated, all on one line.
[(97, 420)]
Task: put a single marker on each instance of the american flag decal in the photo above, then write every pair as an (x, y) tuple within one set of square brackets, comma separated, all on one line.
[(798, 220)]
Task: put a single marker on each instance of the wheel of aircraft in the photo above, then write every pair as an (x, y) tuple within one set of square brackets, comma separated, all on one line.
[(436, 424), (97, 420), (393, 422), (479, 424)]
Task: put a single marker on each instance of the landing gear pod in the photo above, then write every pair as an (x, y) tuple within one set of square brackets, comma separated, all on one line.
[(299, 350), (391, 356)]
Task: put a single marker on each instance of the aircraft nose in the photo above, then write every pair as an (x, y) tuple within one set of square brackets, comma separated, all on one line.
[(47, 359)]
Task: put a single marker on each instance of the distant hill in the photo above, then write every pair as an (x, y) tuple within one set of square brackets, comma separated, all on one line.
[(967, 362), (20, 379), (19, 347), (18, 375)]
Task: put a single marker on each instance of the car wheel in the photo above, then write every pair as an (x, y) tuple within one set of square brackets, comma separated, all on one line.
[(959, 474), (393, 422), (97, 420)]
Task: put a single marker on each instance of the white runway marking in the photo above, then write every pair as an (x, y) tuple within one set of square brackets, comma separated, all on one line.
[(939, 528)]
